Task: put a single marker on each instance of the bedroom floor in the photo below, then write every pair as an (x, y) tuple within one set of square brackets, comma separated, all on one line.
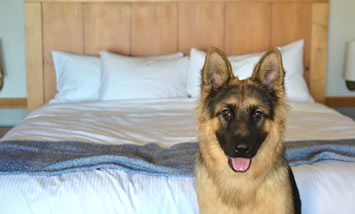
[(348, 111)]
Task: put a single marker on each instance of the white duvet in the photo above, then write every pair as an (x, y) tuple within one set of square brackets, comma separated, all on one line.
[(325, 187)]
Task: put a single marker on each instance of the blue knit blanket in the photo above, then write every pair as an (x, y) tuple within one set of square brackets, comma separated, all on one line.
[(56, 158)]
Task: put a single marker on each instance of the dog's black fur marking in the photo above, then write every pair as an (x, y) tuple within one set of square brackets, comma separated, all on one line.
[(265, 96), (229, 137), (260, 93), (217, 97), (295, 193)]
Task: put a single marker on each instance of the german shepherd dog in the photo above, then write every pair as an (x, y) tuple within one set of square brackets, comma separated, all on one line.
[(241, 166)]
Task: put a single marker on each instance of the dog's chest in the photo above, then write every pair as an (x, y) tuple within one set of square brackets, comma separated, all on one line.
[(274, 204), (267, 199)]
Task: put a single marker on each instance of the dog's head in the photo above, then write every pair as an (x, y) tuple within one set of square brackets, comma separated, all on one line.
[(241, 112)]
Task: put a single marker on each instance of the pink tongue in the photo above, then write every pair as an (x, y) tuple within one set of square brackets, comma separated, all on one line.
[(240, 164)]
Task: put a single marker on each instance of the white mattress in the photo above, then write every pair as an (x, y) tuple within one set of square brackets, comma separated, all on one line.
[(163, 121), (325, 187)]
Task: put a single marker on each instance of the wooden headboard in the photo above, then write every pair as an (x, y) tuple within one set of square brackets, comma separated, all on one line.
[(148, 27)]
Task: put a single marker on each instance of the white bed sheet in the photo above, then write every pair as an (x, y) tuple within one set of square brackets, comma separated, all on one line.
[(325, 187)]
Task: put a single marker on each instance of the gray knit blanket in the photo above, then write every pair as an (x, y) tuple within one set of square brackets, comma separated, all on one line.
[(56, 158)]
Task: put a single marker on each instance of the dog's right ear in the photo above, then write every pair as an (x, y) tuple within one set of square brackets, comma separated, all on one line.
[(216, 72), (269, 72)]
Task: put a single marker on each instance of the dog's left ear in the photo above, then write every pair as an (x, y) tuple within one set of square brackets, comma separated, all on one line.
[(269, 71)]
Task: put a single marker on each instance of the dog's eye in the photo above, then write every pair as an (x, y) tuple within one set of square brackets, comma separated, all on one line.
[(257, 115), (227, 115)]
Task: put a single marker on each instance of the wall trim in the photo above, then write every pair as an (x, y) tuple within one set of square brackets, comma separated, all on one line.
[(340, 101), (13, 103), (330, 101)]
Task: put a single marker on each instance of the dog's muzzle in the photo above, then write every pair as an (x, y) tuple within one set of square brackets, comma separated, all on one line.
[(241, 160)]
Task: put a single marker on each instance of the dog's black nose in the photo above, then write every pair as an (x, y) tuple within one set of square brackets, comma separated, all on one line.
[(242, 148)]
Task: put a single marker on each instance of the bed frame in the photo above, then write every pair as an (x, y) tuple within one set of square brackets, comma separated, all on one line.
[(154, 27)]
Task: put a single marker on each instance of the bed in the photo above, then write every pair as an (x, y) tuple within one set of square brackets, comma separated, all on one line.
[(103, 141)]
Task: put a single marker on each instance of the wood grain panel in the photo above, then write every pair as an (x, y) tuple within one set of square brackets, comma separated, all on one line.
[(34, 55), (107, 27), (292, 22), (62, 30), (318, 76), (153, 28), (241, 38), (201, 25)]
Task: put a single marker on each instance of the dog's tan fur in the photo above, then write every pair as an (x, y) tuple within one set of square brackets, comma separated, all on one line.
[(265, 187)]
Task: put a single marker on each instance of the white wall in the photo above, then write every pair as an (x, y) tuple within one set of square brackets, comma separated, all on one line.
[(341, 29), (12, 51), (12, 48)]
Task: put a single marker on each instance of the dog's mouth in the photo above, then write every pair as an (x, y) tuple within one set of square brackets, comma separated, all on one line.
[(239, 164)]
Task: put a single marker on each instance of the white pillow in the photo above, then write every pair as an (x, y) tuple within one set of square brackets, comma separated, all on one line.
[(78, 77), (243, 66), (142, 77)]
